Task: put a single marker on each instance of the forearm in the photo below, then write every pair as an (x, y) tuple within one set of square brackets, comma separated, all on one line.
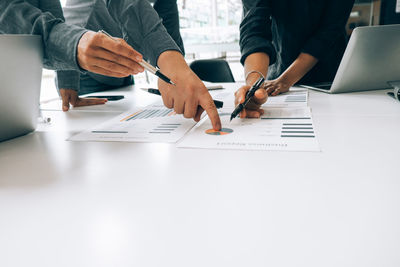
[(257, 62), (299, 68)]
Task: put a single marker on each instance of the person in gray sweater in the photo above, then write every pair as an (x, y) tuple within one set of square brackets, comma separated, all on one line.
[(94, 15), (70, 47), (65, 45)]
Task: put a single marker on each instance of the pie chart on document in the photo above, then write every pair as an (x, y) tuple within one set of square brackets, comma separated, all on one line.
[(223, 131)]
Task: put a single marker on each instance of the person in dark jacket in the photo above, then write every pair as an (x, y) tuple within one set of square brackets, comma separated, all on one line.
[(289, 42), (390, 12)]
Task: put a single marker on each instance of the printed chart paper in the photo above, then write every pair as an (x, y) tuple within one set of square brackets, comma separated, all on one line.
[(279, 129), (154, 123), (293, 98)]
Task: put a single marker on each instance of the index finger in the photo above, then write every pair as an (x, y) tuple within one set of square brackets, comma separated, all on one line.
[(207, 103), (118, 46)]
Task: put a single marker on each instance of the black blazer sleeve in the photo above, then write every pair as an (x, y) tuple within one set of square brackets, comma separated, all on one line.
[(331, 28), (255, 29)]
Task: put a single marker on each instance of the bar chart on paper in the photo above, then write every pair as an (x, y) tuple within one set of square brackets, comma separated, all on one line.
[(296, 97), (154, 123), (153, 112), (279, 129)]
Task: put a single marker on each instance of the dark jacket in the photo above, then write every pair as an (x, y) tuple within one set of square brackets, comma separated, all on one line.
[(285, 28)]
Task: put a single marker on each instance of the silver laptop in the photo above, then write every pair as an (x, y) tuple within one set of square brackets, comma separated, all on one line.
[(21, 59), (371, 61)]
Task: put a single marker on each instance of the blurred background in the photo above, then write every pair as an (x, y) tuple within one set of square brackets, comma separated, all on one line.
[(213, 25)]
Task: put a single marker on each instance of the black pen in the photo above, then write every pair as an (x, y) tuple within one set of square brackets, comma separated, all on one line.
[(108, 97), (148, 66), (249, 95), (218, 104)]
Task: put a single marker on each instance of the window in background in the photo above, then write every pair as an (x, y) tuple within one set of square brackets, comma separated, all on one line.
[(210, 29), (210, 21)]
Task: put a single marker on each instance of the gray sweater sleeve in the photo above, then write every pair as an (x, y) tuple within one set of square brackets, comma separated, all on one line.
[(79, 15), (68, 79), (142, 27), (59, 39)]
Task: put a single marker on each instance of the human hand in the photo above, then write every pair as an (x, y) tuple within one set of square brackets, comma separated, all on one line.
[(253, 108), (189, 97), (69, 96), (277, 86), (108, 56)]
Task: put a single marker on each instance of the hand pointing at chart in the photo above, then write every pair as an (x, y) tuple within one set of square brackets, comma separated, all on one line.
[(180, 88), (189, 96)]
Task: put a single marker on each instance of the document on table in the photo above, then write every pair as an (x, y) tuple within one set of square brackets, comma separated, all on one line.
[(279, 129), (154, 123), (294, 98), (213, 86)]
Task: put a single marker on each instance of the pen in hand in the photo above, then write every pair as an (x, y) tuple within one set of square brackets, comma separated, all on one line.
[(147, 66), (249, 95)]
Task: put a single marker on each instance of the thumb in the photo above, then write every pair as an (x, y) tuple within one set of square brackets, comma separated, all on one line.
[(261, 96)]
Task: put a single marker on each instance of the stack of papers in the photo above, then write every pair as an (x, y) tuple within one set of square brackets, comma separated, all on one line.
[(286, 125)]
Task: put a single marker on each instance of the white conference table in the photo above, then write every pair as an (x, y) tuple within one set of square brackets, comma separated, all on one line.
[(86, 204)]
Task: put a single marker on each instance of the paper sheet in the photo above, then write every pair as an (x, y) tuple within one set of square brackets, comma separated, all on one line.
[(154, 123), (279, 129), (293, 98)]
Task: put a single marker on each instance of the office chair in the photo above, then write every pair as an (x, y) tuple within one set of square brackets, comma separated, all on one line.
[(212, 70)]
